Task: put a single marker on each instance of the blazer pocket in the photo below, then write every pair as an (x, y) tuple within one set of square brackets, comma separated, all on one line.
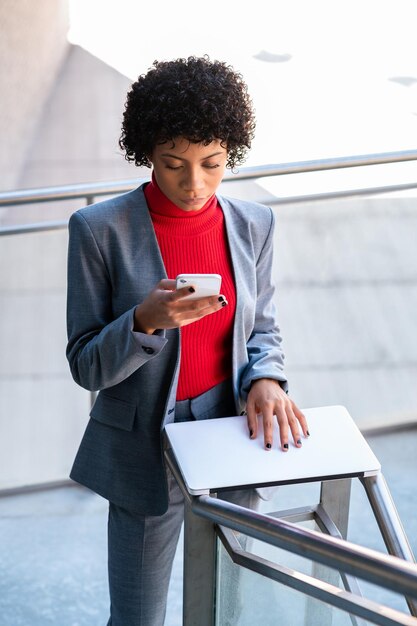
[(113, 412)]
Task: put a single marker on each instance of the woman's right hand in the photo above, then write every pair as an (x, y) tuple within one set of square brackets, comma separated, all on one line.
[(167, 307)]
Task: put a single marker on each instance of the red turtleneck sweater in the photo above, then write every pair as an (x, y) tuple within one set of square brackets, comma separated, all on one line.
[(196, 242)]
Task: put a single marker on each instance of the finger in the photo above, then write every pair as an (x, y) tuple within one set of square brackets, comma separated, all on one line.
[(179, 294), (294, 426), (268, 422), (202, 302), (167, 283), (189, 317), (283, 427), (252, 418), (196, 309), (302, 419), (210, 303)]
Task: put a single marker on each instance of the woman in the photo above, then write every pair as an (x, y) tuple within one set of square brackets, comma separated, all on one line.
[(188, 119)]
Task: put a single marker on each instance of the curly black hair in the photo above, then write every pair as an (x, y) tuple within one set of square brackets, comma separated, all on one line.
[(195, 98)]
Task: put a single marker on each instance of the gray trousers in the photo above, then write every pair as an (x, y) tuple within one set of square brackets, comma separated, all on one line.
[(141, 548)]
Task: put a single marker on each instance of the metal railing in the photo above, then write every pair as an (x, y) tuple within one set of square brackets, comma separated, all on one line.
[(207, 517), (91, 191), (385, 570)]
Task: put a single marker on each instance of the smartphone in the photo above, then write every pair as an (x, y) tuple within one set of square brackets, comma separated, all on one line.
[(204, 284)]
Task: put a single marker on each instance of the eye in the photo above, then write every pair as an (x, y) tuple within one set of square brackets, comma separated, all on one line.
[(172, 167), (211, 167)]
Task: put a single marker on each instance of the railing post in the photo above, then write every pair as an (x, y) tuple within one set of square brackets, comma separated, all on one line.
[(335, 500), (199, 570), (389, 523)]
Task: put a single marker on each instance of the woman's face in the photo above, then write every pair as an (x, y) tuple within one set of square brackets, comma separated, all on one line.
[(189, 173)]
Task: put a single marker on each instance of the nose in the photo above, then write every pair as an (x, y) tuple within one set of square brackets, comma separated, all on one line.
[(193, 180)]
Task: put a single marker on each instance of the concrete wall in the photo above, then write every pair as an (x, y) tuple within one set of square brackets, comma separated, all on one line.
[(59, 129), (346, 286), (42, 411), (32, 44)]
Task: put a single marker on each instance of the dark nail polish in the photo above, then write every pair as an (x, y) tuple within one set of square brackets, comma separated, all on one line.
[(299, 442), (285, 446), (251, 433), (268, 446), (221, 299), (224, 303), (191, 289), (308, 434)]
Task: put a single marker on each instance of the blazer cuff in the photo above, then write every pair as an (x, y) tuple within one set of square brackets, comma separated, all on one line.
[(281, 381), (149, 345)]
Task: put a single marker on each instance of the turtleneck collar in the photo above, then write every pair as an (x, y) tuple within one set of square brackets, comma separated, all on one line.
[(165, 213)]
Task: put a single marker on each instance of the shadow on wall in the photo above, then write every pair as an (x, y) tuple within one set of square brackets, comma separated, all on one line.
[(76, 139)]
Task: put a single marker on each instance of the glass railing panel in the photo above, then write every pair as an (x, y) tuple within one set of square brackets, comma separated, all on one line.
[(246, 598), (363, 530)]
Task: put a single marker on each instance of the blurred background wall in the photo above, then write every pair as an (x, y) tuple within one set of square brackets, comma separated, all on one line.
[(33, 44), (60, 116), (327, 79)]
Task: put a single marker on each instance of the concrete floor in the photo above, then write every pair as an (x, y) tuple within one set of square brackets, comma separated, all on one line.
[(53, 554)]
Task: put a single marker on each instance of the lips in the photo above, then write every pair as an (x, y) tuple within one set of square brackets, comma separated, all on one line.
[(193, 201)]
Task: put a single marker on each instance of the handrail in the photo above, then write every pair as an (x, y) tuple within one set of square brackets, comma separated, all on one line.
[(84, 190), (90, 191), (68, 192), (385, 570), (381, 569)]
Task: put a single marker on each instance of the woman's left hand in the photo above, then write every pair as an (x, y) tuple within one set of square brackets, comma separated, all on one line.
[(267, 398)]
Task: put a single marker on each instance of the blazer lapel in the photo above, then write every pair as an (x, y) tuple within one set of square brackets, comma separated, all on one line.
[(239, 255), (146, 257)]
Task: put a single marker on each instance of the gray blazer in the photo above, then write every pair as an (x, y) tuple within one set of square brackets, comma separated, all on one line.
[(113, 263)]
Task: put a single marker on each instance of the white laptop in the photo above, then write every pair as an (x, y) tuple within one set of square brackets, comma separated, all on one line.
[(217, 454)]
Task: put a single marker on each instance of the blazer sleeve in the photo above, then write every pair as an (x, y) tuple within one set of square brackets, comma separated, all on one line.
[(264, 350), (101, 351)]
